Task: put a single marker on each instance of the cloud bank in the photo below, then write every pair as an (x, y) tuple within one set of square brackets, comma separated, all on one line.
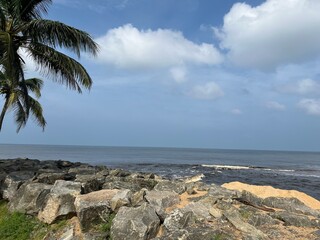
[(274, 33)]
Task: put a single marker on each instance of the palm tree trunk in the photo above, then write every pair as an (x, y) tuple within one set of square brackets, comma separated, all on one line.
[(3, 112)]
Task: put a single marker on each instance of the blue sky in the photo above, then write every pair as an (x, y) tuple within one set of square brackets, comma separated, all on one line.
[(188, 73)]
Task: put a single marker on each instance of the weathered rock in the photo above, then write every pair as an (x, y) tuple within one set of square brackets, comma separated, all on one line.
[(290, 204), (135, 223), (90, 183), (51, 178), (83, 170), (13, 181), (296, 219), (94, 207), (60, 201), (255, 217), (161, 200), (178, 187), (215, 212), (119, 173), (30, 198), (251, 198), (222, 193), (137, 198), (122, 198), (234, 218), (200, 210), (178, 219)]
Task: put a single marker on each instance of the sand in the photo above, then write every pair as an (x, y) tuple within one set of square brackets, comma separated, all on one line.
[(268, 191)]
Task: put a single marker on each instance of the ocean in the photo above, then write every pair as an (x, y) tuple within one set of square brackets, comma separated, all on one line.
[(280, 169)]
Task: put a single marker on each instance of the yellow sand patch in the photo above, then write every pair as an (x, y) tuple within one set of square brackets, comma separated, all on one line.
[(268, 191)]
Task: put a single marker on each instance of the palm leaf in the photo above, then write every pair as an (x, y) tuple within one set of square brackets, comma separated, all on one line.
[(54, 33)]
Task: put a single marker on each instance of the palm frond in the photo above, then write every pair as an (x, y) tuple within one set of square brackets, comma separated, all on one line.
[(54, 33), (61, 67), (30, 9), (34, 85), (37, 112)]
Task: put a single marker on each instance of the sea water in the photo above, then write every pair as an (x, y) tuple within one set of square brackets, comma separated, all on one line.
[(281, 169)]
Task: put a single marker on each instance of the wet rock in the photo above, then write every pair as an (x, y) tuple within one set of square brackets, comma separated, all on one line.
[(122, 198), (60, 201), (178, 219), (178, 187), (94, 208), (135, 223), (296, 219), (30, 198), (161, 200)]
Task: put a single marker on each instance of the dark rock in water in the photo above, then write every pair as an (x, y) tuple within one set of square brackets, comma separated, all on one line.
[(140, 223), (166, 185), (30, 198), (160, 200), (178, 219), (297, 220), (60, 201), (291, 205), (94, 208)]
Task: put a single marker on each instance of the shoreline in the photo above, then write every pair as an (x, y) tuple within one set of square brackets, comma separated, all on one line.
[(87, 196)]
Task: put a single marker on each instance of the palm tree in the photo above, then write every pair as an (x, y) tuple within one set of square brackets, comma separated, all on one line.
[(19, 102), (22, 27)]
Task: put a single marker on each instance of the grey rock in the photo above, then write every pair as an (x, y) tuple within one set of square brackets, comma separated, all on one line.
[(51, 178), (296, 219), (251, 198), (138, 198), (290, 204), (222, 193), (60, 201), (94, 208), (122, 198), (161, 200), (200, 210), (255, 217), (83, 170), (30, 198), (234, 218), (90, 183), (178, 219), (135, 223), (178, 187)]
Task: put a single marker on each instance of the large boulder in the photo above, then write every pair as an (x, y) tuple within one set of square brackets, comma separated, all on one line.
[(161, 200), (140, 223), (94, 208), (60, 201), (122, 198), (30, 198), (52, 177), (297, 220), (90, 182), (178, 219), (177, 187)]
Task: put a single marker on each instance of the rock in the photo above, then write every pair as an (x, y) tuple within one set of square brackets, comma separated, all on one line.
[(94, 208), (195, 178), (122, 198), (13, 181), (30, 198), (119, 173), (251, 198), (161, 200), (178, 219), (222, 193), (51, 178), (234, 218), (200, 210), (215, 212), (85, 170), (135, 223), (178, 187), (90, 183), (290, 204), (60, 201), (138, 198), (296, 219), (255, 217)]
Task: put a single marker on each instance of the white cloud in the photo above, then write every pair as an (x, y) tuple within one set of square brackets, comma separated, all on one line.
[(275, 106), (236, 111), (178, 74), (208, 91), (310, 106), (127, 47), (274, 33), (305, 86)]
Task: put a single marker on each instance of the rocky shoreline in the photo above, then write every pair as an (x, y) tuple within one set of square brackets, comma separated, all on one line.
[(146, 206)]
